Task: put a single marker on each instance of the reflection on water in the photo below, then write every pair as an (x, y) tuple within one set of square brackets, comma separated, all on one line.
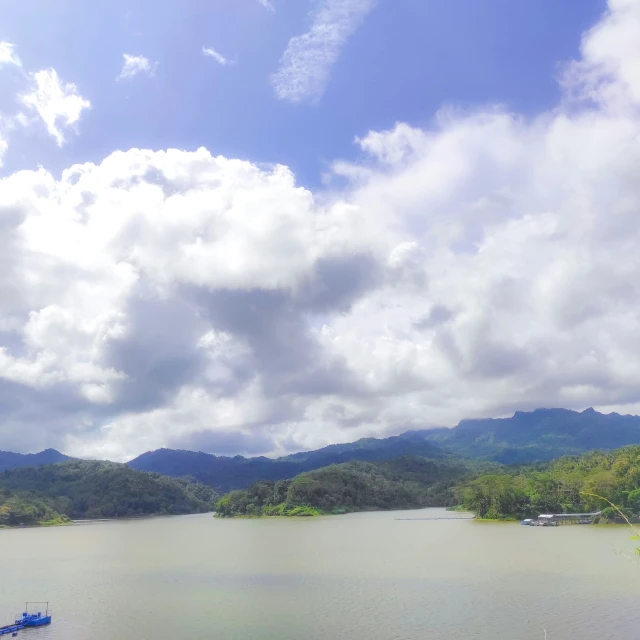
[(362, 576)]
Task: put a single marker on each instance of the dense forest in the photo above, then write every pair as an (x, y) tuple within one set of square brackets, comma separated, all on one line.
[(566, 485), (403, 483), (27, 509), (569, 484), (89, 489)]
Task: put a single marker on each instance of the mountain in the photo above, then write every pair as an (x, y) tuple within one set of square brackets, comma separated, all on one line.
[(538, 435), (401, 483), (220, 472), (9, 460), (367, 450), (92, 489), (225, 474)]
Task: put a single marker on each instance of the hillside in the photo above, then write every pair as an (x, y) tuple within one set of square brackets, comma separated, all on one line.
[(9, 460), (89, 489), (402, 483), (543, 434), (562, 486), (225, 474), (220, 472)]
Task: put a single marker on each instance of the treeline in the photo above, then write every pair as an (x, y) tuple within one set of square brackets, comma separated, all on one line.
[(567, 485), (404, 483), (89, 489), (27, 509)]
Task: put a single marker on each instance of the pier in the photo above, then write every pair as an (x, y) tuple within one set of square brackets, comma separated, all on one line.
[(557, 519)]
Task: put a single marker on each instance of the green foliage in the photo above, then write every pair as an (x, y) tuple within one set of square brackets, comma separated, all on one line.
[(402, 483), (574, 484), (89, 489), (25, 509)]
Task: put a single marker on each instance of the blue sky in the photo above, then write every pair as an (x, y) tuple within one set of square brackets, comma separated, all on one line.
[(261, 226), (406, 59)]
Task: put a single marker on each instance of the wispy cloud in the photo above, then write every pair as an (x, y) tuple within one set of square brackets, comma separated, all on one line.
[(305, 67), (57, 103), (133, 65), (218, 57), (267, 5), (7, 54)]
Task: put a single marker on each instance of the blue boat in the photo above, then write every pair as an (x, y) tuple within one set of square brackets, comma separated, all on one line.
[(28, 620)]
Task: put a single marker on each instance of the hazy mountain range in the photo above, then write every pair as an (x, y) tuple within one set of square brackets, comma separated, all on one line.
[(541, 435), (9, 460)]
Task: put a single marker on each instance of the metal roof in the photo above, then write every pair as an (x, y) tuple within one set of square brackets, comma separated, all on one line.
[(568, 515)]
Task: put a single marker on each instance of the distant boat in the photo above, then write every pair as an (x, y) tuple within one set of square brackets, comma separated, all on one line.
[(28, 620)]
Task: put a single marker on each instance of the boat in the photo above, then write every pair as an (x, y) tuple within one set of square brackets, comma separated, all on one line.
[(28, 620)]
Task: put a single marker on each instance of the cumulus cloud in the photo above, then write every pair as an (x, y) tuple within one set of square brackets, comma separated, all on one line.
[(305, 67), (484, 264), (133, 65), (8, 55), (218, 57), (57, 103)]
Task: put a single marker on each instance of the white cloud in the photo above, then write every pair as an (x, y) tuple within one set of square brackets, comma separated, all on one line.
[(133, 65), (484, 264), (218, 57), (8, 55), (305, 67), (3, 148), (58, 104), (267, 5)]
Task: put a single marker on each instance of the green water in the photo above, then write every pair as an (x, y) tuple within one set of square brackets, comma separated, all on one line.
[(362, 576)]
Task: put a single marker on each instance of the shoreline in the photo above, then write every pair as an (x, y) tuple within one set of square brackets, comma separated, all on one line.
[(88, 521)]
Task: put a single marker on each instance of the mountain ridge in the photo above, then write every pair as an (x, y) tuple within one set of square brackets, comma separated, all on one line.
[(539, 435), (527, 436), (11, 460), (227, 473)]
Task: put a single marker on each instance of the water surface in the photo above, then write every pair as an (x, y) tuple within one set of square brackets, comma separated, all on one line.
[(361, 576)]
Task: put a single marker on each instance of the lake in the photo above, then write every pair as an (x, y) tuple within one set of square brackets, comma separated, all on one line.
[(366, 576)]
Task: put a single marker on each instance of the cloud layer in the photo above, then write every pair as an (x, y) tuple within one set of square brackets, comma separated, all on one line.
[(486, 263)]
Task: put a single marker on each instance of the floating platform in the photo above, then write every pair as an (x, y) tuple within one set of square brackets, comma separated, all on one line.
[(27, 620)]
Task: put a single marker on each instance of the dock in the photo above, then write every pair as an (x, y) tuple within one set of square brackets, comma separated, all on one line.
[(557, 519), (439, 518), (28, 620)]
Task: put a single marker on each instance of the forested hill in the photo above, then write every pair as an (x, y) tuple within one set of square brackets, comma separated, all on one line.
[(402, 483), (89, 489), (540, 435), (225, 474), (9, 460), (567, 485)]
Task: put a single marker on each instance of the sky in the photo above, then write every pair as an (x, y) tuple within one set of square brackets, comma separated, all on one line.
[(260, 226)]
